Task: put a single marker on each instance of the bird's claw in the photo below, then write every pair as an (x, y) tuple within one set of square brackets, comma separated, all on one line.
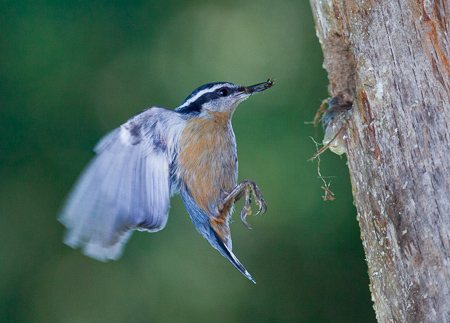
[(247, 188), (246, 210), (250, 189)]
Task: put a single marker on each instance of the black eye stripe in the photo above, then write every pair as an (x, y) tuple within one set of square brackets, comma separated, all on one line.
[(196, 106), (188, 106)]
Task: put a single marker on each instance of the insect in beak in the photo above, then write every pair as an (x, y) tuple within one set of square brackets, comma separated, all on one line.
[(246, 91)]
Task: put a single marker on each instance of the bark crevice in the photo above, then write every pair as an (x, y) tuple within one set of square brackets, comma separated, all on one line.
[(340, 65)]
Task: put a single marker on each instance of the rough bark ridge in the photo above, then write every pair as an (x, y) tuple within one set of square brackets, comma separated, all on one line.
[(392, 56)]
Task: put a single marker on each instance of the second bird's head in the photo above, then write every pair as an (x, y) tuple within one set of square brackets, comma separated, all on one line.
[(219, 97)]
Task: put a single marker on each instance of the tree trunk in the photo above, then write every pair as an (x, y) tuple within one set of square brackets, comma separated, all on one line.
[(391, 56)]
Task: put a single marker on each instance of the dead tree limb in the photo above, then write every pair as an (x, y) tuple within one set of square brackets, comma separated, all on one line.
[(391, 56)]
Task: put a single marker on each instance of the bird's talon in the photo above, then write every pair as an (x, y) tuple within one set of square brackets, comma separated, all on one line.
[(243, 216), (262, 207), (249, 190)]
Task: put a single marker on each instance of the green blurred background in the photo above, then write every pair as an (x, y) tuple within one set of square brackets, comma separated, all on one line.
[(73, 70)]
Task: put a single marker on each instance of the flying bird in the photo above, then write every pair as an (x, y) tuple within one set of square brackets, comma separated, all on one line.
[(189, 151)]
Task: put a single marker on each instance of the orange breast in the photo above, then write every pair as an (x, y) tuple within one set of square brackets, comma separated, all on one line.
[(208, 162)]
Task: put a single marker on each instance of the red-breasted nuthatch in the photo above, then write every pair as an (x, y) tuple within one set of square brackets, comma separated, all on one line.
[(190, 150)]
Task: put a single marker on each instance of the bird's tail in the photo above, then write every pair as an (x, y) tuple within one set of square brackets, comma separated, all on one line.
[(223, 249), (203, 226)]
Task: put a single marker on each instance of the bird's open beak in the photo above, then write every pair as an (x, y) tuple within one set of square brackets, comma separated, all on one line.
[(246, 91)]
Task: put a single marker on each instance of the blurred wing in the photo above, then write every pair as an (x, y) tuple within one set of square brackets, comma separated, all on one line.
[(125, 187)]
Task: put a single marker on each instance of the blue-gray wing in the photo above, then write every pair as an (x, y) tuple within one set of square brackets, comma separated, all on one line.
[(125, 187)]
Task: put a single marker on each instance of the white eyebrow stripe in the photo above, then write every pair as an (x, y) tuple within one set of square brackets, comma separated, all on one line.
[(199, 94)]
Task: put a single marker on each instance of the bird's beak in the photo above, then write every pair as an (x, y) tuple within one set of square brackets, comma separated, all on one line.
[(246, 91)]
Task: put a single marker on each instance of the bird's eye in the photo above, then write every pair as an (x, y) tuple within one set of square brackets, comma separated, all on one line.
[(223, 92)]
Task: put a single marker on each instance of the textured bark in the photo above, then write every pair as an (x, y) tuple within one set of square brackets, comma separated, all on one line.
[(392, 57)]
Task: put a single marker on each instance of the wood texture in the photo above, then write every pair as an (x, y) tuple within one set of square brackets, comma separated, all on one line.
[(392, 57)]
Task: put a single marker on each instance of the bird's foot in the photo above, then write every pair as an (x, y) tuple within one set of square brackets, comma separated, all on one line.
[(247, 188)]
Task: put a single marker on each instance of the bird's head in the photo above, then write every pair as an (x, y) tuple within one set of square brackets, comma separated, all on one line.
[(219, 97)]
